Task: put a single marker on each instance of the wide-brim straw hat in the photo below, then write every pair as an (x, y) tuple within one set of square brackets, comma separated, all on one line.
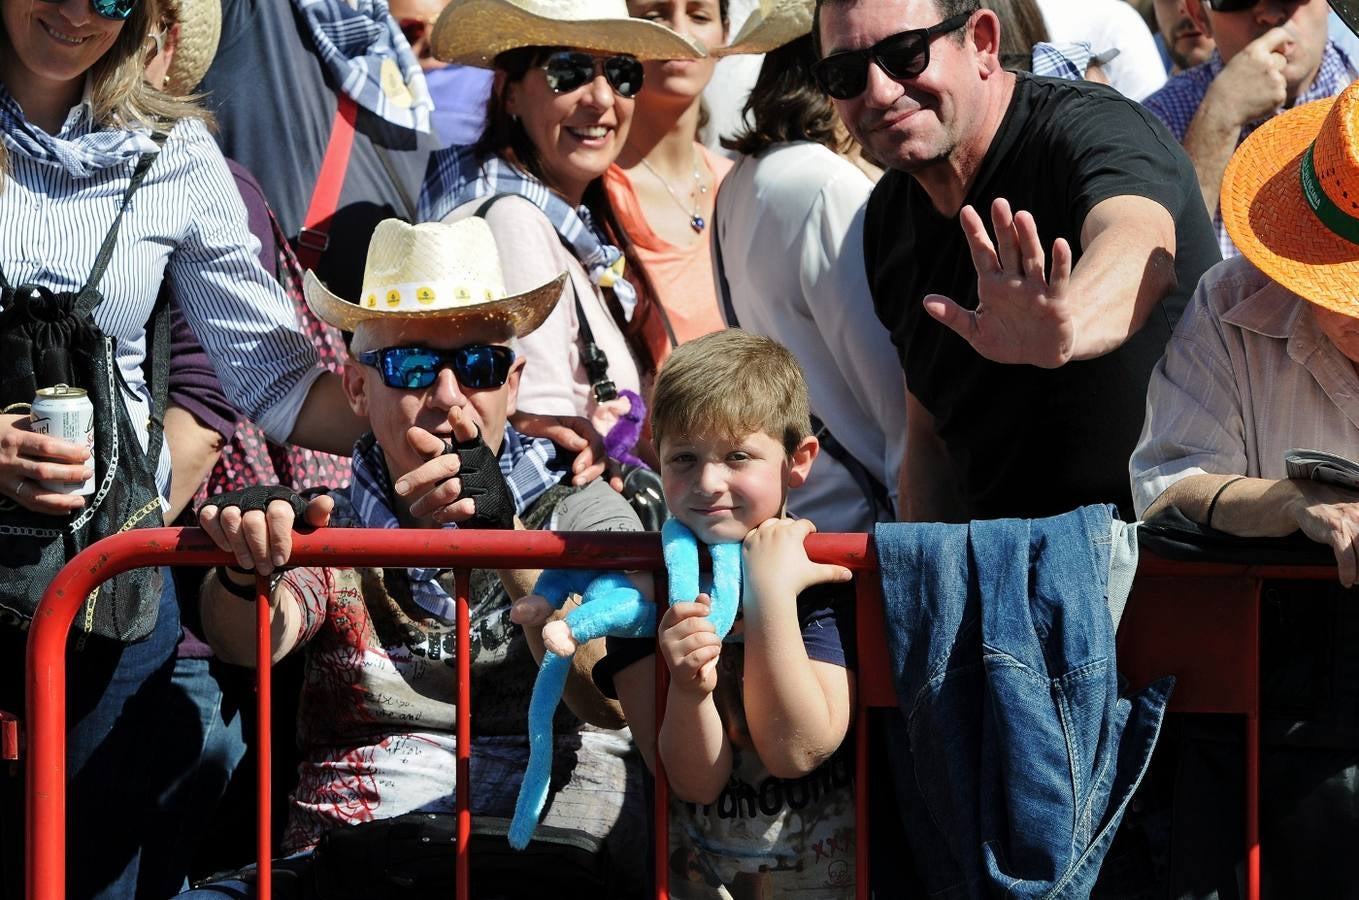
[(446, 272), (473, 32), (770, 26), (200, 30), (1290, 200)]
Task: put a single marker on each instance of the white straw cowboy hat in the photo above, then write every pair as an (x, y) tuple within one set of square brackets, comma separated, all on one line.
[(473, 32), (771, 25), (435, 271), (200, 29)]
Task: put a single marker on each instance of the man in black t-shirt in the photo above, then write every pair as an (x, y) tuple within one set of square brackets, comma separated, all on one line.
[(1025, 387)]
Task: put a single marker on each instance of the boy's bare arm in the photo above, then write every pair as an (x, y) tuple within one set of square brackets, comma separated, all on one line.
[(798, 709), (693, 742)]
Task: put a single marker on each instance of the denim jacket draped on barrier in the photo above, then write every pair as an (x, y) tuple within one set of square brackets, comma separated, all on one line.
[(1014, 756)]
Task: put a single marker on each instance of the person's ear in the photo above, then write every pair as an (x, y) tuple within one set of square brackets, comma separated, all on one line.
[(1197, 11), (507, 91), (512, 386), (985, 36), (355, 378), (801, 459)]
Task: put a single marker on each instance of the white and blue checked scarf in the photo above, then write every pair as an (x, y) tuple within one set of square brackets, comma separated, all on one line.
[(530, 466), (455, 177), (354, 42), (79, 148), (1067, 60)]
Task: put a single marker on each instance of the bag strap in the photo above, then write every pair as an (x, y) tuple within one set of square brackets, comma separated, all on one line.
[(314, 236), (594, 359), (90, 297), (874, 491), (158, 354)]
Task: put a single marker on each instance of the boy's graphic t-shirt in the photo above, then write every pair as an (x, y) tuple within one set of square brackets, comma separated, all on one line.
[(765, 837)]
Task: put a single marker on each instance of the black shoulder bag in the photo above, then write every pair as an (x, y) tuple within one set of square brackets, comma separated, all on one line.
[(49, 338)]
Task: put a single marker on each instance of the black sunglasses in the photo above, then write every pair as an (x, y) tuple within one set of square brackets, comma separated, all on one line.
[(117, 10), (906, 54), (568, 70), (477, 366), (1231, 5)]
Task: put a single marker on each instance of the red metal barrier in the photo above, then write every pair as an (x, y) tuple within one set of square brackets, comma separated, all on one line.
[(1198, 621)]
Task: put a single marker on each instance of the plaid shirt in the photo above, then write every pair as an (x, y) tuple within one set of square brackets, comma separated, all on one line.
[(1176, 103)]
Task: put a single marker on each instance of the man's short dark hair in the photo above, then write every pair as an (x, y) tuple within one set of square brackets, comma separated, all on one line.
[(947, 10)]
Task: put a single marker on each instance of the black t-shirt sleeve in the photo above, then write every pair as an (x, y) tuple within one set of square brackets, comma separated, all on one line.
[(620, 652), (1116, 149)]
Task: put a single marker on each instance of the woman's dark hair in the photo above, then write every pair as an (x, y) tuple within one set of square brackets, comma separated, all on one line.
[(1021, 26), (504, 136), (787, 105)]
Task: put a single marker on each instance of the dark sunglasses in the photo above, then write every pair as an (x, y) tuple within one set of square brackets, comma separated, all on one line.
[(117, 10), (477, 366), (906, 54), (568, 70), (1226, 6)]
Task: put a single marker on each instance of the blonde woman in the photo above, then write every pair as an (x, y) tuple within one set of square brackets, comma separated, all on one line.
[(77, 120)]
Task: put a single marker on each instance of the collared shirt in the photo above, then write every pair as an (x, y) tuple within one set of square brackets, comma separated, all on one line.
[(186, 223), (1177, 102), (1247, 377)]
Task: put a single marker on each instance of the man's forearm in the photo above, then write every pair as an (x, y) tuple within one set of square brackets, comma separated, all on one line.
[(230, 622), (1126, 269), (1210, 142), (1245, 507), (326, 422)]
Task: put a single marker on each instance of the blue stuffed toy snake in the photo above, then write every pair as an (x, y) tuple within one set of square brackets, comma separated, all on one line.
[(612, 605)]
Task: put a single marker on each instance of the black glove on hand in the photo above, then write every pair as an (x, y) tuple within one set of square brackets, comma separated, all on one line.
[(483, 481), (258, 497)]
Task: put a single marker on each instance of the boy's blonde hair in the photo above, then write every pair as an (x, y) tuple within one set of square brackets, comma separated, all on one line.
[(730, 383)]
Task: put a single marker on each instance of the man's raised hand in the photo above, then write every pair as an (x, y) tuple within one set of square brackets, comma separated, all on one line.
[(1023, 315)]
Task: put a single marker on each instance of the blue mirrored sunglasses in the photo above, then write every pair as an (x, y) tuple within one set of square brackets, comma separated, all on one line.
[(117, 10), (476, 366)]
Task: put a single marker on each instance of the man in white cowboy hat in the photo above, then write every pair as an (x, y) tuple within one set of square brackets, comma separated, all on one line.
[(1266, 360), (433, 369), (1029, 249)]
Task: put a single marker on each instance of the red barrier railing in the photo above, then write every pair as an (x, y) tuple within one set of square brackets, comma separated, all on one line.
[(1212, 645)]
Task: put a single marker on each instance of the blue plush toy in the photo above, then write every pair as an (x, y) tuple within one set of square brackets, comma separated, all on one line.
[(610, 605)]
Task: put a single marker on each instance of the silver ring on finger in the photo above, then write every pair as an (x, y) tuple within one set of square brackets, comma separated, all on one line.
[(19, 487)]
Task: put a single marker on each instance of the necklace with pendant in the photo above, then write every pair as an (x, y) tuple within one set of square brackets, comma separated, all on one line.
[(696, 193)]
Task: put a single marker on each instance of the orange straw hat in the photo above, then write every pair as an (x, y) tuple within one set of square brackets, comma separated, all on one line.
[(1290, 200)]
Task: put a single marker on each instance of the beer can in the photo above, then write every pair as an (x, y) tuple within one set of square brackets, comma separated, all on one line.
[(67, 413)]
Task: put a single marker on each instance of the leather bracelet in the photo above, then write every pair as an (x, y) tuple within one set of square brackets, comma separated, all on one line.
[(1212, 504), (244, 591)]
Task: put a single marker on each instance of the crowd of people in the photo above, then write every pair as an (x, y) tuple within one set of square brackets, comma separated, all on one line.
[(763, 269)]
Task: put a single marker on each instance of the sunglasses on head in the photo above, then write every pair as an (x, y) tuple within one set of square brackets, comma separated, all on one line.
[(477, 366), (117, 10), (567, 70), (1228, 6), (906, 54)]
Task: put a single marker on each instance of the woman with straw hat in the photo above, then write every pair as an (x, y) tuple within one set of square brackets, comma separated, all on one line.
[(789, 229), (566, 75), (665, 181), (1266, 361)]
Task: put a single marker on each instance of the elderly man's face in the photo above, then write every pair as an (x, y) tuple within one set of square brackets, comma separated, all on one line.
[(392, 411), (911, 123), (1341, 330)]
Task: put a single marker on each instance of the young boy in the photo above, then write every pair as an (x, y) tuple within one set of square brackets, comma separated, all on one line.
[(752, 724)]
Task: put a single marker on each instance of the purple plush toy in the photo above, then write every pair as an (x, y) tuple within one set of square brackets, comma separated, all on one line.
[(625, 433)]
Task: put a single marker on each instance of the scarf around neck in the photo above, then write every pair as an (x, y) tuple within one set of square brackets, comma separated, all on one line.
[(368, 57), (530, 466), (456, 177), (79, 147)]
